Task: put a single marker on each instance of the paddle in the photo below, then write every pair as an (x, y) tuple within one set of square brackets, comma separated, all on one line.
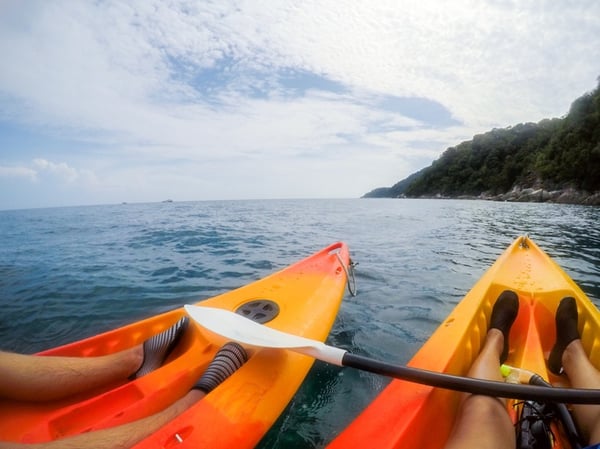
[(238, 328)]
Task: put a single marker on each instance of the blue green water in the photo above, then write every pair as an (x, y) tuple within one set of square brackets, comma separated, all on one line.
[(68, 273)]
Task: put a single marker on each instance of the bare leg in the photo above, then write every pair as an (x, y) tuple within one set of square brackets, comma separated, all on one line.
[(583, 374), (227, 360), (483, 422), (119, 437), (568, 354), (41, 378)]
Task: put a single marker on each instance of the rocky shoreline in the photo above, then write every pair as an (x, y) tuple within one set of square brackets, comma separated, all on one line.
[(564, 196), (517, 194)]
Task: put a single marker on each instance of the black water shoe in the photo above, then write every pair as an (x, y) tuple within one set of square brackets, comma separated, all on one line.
[(504, 313), (227, 360), (566, 332), (158, 347)]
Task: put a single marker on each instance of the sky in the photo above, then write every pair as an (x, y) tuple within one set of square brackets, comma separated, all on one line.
[(105, 102)]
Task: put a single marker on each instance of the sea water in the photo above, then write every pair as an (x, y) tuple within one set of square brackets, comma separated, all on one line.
[(68, 273)]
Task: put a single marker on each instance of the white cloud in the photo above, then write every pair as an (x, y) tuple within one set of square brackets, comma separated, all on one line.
[(40, 169), (18, 172), (62, 170), (179, 84), (487, 62), (116, 66)]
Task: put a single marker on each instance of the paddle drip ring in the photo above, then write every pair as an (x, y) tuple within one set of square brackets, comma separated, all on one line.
[(259, 310)]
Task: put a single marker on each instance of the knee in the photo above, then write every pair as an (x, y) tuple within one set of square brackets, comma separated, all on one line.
[(482, 422), (484, 409)]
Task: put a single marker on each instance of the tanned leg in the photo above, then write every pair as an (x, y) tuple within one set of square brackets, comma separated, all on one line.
[(44, 378), (226, 361), (583, 374), (483, 422), (120, 437), (568, 354)]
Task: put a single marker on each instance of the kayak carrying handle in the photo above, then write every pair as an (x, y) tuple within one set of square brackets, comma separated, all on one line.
[(349, 270)]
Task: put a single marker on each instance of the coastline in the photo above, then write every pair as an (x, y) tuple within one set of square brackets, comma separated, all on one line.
[(528, 195)]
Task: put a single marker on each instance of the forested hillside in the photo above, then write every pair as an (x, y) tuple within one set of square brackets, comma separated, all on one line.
[(553, 155)]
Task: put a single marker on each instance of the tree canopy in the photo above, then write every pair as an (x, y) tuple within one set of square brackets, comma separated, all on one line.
[(553, 154)]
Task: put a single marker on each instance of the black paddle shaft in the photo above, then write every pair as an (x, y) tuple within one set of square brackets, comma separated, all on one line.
[(471, 385)]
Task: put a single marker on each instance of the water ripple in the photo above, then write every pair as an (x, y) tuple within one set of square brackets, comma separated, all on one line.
[(68, 273)]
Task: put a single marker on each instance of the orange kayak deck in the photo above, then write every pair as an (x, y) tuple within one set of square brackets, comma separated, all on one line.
[(407, 415), (234, 415)]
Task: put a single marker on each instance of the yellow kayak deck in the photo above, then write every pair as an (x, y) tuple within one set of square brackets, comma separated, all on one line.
[(407, 415)]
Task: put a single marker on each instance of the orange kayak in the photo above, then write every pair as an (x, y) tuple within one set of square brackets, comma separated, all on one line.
[(306, 295), (409, 415)]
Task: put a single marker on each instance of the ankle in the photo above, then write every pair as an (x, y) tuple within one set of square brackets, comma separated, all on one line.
[(138, 357), (133, 359), (571, 353), (495, 335), (495, 339)]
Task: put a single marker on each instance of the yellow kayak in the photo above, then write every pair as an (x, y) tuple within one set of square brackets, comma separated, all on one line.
[(410, 415), (303, 299)]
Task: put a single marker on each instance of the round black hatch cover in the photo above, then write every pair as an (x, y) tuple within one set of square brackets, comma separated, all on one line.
[(259, 310)]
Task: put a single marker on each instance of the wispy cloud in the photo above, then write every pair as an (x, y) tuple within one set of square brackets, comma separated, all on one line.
[(61, 170), (42, 168), (125, 88), (18, 172)]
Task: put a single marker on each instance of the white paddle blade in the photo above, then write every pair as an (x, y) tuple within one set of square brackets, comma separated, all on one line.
[(243, 330)]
